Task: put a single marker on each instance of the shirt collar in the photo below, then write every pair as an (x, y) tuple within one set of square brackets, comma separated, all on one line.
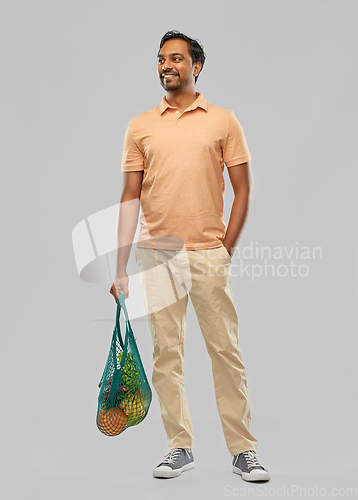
[(200, 101)]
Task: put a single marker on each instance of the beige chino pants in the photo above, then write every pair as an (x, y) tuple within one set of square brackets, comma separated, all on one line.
[(207, 278)]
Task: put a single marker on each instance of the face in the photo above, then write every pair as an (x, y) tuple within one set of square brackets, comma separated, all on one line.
[(175, 67)]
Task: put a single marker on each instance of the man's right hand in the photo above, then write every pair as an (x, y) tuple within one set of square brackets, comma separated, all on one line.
[(120, 286), (127, 223)]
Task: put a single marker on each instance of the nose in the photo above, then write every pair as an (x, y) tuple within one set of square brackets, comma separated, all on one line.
[(166, 66)]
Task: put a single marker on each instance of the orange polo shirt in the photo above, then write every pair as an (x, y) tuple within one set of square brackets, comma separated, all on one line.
[(183, 156)]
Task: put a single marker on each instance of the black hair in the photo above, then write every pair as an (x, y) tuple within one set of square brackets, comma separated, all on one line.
[(195, 49)]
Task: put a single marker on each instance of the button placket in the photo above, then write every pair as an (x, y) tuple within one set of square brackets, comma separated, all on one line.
[(177, 112)]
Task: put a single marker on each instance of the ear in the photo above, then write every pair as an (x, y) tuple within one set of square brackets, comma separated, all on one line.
[(197, 68)]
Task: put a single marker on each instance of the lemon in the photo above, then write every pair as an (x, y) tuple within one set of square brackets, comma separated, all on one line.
[(133, 407)]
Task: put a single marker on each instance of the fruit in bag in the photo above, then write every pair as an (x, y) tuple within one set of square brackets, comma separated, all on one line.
[(130, 375), (133, 407), (111, 421)]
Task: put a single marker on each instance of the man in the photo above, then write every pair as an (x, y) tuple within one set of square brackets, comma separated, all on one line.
[(173, 161)]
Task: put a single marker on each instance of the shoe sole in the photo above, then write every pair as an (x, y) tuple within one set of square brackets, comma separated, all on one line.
[(167, 472), (255, 475)]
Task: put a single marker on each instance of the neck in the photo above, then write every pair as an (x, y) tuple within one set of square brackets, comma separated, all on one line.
[(181, 100)]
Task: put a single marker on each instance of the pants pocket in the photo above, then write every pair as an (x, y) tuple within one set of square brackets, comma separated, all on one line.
[(227, 253)]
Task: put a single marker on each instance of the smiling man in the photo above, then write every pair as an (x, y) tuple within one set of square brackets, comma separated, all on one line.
[(178, 73), (173, 162)]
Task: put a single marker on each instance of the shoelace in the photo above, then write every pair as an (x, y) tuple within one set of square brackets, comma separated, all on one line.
[(173, 455), (251, 460)]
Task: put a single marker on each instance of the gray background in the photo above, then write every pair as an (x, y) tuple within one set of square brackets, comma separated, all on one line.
[(73, 74)]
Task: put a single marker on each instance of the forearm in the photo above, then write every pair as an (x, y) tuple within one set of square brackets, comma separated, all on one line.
[(239, 212), (127, 225)]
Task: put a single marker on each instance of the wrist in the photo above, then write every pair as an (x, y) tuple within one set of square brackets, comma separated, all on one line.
[(120, 272)]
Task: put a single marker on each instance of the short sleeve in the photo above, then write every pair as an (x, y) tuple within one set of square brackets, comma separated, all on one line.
[(235, 150), (132, 159)]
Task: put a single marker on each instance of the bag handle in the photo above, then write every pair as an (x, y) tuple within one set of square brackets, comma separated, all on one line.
[(121, 303), (121, 300), (117, 332)]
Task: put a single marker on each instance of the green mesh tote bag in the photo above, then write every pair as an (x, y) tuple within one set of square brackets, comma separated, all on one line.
[(125, 394)]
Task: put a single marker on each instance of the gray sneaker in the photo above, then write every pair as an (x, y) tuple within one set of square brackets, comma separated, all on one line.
[(248, 467), (175, 462)]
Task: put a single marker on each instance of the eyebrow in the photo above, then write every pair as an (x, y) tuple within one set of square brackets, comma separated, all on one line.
[(172, 54)]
